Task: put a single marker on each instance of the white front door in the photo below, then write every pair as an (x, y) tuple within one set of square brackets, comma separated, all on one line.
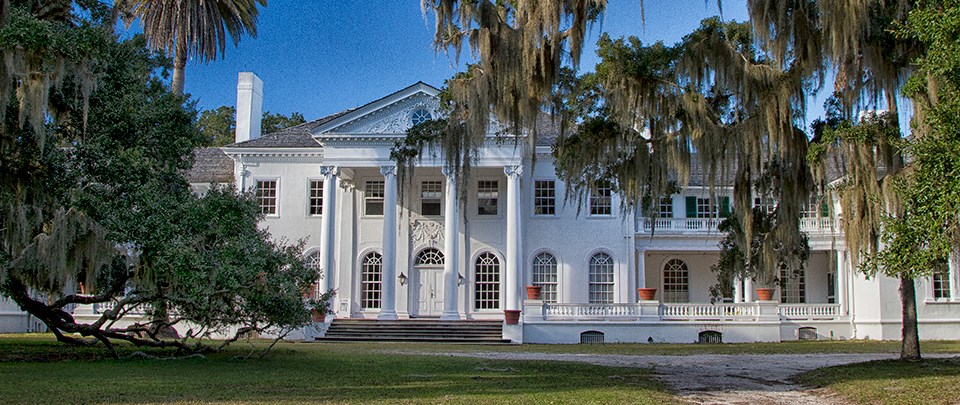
[(430, 289)]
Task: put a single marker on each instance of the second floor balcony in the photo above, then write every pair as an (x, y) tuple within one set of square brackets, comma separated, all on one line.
[(813, 225)]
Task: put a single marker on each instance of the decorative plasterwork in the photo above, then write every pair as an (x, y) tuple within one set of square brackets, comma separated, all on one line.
[(424, 231), (393, 118)]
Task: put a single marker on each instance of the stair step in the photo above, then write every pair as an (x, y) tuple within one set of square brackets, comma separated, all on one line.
[(415, 330)]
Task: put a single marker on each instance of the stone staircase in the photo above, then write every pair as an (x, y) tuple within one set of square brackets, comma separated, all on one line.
[(415, 330)]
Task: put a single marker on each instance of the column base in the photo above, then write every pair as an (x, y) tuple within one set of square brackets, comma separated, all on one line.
[(450, 316), (387, 316)]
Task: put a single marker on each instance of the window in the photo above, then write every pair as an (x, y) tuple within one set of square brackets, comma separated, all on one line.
[(698, 207), (793, 287), (601, 279), (266, 193), (420, 116), (312, 262), (545, 276), (941, 285), (544, 197), (431, 196), (316, 197), (488, 192), (373, 197), (429, 257), (665, 208), (676, 281), (765, 204), (371, 283), (487, 294), (600, 199)]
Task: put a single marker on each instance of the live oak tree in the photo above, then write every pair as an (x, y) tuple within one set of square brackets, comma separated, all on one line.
[(93, 194), (745, 99)]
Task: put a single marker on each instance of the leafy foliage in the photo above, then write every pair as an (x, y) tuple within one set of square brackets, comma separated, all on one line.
[(218, 126), (102, 207)]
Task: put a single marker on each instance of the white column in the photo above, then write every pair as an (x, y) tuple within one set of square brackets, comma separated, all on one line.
[(748, 289), (327, 226), (952, 265), (641, 269), (513, 267), (451, 235), (841, 292), (737, 289), (388, 306)]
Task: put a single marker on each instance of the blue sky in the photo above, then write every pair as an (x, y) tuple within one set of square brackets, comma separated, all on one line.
[(320, 59)]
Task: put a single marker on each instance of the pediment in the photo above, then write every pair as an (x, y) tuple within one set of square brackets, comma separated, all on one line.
[(391, 115)]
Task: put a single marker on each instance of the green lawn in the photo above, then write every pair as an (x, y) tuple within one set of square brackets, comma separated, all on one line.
[(38, 370), (933, 381), (795, 347)]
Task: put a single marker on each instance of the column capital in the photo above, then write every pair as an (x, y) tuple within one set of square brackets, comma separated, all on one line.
[(388, 170), (327, 171), (513, 170), (347, 185)]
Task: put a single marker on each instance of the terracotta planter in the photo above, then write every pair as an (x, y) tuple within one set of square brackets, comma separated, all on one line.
[(511, 316), (533, 292), (647, 294), (765, 294), (318, 316)]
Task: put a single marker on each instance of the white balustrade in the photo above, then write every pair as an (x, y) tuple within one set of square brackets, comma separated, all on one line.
[(708, 225), (708, 311), (689, 311), (809, 311), (591, 311), (102, 307)]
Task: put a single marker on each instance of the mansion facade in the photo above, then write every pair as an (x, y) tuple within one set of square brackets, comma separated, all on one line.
[(423, 254)]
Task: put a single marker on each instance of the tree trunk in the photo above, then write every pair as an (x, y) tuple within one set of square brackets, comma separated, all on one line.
[(910, 338), (179, 64)]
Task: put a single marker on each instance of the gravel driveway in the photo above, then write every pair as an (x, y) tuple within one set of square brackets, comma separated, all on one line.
[(719, 379)]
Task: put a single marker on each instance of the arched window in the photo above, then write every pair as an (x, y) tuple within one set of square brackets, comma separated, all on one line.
[(487, 287), (601, 278), (429, 257), (371, 284), (312, 262), (545, 276), (676, 281)]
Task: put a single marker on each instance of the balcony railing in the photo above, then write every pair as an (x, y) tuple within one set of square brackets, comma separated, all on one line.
[(671, 312), (591, 310), (709, 225), (708, 311), (808, 311)]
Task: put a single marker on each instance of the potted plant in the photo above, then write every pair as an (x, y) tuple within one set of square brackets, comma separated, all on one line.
[(647, 294), (511, 316), (533, 292), (322, 305), (761, 258)]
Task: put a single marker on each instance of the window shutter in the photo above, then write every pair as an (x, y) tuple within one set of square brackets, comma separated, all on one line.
[(724, 207), (691, 206)]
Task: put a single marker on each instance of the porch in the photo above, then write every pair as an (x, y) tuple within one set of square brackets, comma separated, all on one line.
[(654, 311)]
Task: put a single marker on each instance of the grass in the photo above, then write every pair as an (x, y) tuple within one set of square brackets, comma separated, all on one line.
[(793, 347), (39, 370), (931, 381)]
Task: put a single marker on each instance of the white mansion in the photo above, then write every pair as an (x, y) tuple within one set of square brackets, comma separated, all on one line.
[(331, 182)]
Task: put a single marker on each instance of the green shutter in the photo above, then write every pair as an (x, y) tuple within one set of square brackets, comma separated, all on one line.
[(691, 206), (824, 209), (724, 207)]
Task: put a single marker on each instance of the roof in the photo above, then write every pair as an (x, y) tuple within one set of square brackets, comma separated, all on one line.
[(210, 165), (297, 136)]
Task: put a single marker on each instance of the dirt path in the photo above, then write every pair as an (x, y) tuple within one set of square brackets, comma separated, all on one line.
[(719, 379)]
